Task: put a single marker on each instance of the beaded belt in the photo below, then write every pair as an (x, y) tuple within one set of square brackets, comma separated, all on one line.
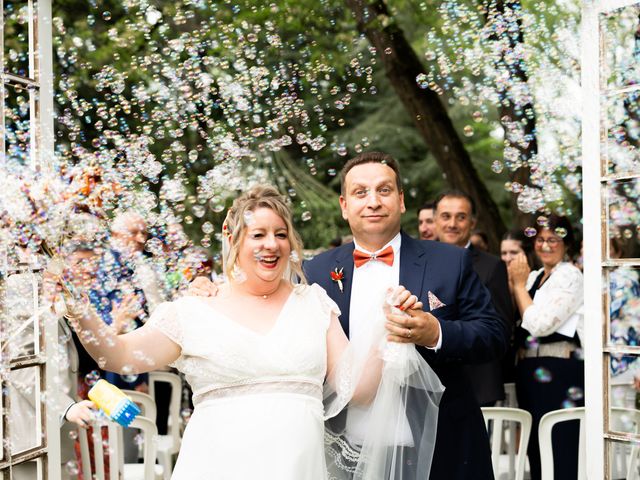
[(300, 388), (554, 349)]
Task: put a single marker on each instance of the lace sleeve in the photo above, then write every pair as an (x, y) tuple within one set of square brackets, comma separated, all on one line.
[(327, 306), (562, 297), (167, 319)]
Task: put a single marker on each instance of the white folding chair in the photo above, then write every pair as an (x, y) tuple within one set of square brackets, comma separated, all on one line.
[(510, 397), (504, 419), (624, 461), (547, 422), (168, 445), (147, 470)]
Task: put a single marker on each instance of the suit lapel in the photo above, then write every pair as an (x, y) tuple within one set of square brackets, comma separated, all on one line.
[(412, 265), (344, 260)]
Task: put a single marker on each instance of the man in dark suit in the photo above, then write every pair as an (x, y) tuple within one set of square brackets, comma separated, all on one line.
[(460, 326), (455, 219)]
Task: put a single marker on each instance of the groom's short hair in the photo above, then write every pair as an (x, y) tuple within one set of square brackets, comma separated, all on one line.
[(371, 157)]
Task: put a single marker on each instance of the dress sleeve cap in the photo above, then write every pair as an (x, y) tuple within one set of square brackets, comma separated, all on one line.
[(167, 319), (327, 305)]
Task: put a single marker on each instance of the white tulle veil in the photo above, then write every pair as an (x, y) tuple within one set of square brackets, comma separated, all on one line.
[(400, 422)]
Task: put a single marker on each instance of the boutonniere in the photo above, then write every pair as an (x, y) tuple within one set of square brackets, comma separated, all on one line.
[(337, 276)]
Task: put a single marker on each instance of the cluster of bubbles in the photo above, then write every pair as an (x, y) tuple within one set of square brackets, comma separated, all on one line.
[(209, 95), (524, 64), (215, 93), (575, 398)]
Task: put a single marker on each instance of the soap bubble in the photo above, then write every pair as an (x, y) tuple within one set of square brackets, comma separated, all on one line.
[(542, 221), (92, 377), (422, 81), (207, 227), (531, 342), (542, 375), (71, 467), (575, 393), (561, 232), (128, 374)]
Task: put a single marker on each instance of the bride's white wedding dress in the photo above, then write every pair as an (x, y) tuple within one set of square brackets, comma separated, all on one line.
[(258, 397)]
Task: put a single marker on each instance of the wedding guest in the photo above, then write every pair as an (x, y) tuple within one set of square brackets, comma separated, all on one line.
[(335, 242), (81, 259), (123, 272), (479, 240), (513, 243), (550, 371), (455, 219), (426, 222), (127, 271)]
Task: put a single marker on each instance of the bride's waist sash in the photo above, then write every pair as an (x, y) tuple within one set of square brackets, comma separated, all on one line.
[(309, 389)]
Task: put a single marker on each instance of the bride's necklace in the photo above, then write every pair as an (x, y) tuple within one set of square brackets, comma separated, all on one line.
[(264, 296)]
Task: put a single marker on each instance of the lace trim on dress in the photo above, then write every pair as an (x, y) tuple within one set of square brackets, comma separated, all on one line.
[(342, 453), (302, 388)]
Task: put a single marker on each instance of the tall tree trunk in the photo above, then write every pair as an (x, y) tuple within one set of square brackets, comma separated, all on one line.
[(524, 143), (432, 120)]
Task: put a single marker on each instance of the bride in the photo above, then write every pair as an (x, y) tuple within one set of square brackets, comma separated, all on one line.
[(268, 363)]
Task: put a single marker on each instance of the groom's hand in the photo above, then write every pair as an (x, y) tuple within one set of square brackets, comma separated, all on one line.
[(202, 287), (417, 326)]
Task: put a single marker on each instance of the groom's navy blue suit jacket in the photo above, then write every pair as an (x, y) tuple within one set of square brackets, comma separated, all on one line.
[(472, 333)]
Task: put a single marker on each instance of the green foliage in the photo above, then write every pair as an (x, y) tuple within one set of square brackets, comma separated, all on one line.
[(332, 73)]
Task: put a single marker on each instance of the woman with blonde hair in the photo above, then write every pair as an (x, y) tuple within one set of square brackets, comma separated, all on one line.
[(268, 362)]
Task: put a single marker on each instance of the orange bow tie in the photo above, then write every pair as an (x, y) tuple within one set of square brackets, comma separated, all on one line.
[(386, 256)]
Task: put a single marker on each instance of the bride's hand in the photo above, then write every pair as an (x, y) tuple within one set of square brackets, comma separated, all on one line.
[(402, 299), (202, 287)]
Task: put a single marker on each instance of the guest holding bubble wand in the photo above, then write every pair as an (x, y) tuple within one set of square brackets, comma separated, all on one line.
[(550, 370), (268, 362)]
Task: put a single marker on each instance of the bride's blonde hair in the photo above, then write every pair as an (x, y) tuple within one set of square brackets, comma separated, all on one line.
[(235, 225)]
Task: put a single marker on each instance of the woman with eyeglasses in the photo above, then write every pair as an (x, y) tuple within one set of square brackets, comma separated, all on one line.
[(550, 370)]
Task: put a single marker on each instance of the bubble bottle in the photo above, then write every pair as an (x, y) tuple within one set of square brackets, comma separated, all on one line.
[(113, 402)]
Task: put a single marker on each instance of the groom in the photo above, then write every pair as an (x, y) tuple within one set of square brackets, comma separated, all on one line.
[(458, 325)]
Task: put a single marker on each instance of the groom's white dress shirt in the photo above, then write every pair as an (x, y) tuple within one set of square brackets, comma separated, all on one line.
[(369, 284)]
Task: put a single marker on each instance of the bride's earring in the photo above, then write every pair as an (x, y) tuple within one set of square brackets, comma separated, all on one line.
[(238, 274)]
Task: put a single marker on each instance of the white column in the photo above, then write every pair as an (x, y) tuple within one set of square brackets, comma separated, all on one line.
[(593, 235), (44, 162)]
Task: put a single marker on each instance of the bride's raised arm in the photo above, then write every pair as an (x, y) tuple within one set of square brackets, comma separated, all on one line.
[(143, 350)]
